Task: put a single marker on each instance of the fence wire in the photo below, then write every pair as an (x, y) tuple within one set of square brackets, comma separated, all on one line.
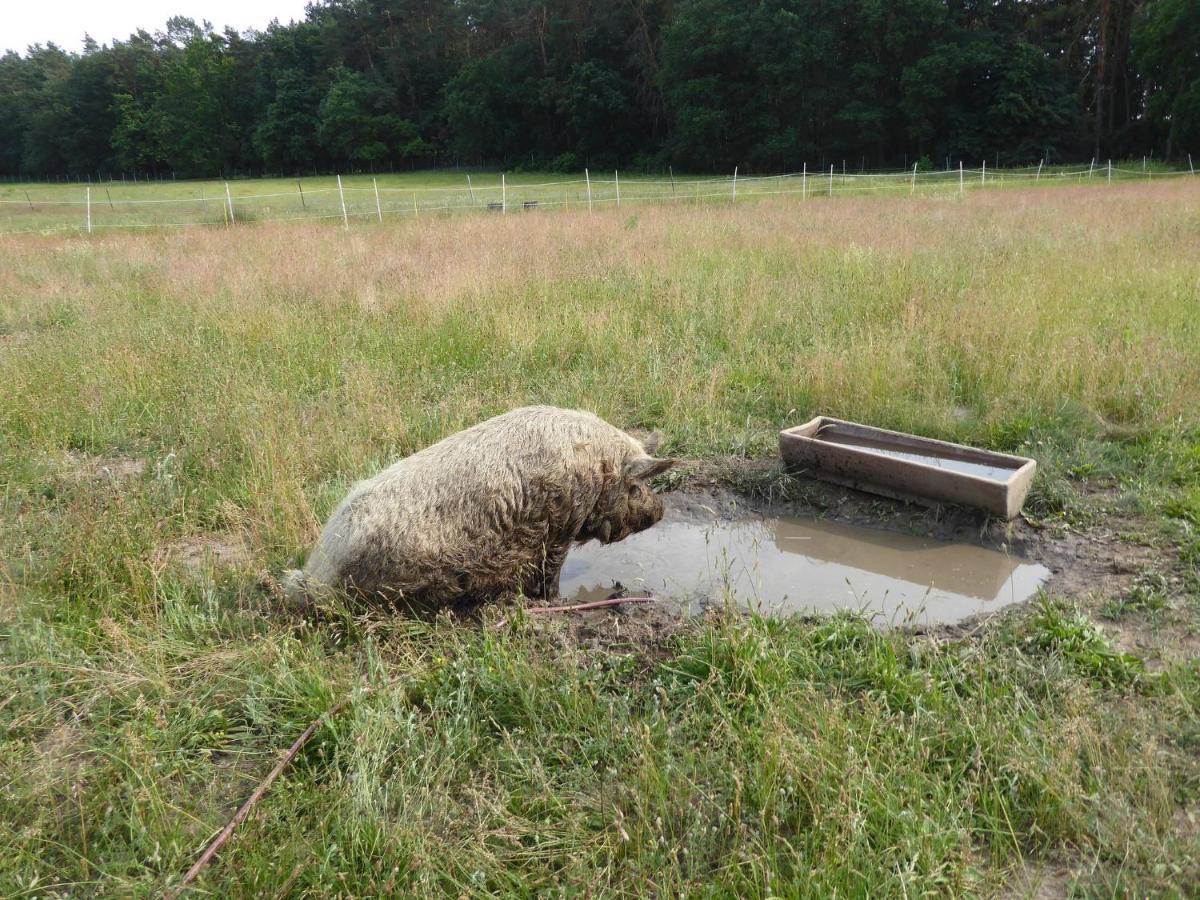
[(49, 209)]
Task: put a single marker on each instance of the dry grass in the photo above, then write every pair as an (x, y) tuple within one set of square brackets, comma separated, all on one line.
[(220, 388)]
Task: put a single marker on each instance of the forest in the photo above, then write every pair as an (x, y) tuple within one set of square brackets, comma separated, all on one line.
[(700, 85)]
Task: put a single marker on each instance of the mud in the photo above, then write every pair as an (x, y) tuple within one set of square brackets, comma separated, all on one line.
[(1084, 565), (984, 574)]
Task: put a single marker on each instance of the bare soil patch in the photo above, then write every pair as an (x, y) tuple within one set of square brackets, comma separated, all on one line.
[(62, 752), (1037, 881), (1088, 565), (220, 550), (13, 340), (78, 466)]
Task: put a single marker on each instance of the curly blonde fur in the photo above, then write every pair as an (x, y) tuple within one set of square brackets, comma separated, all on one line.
[(490, 510)]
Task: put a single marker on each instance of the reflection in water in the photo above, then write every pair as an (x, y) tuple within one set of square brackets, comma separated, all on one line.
[(788, 565), (991, 473)]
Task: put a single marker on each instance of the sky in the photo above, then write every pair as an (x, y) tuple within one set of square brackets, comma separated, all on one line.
[(25, 22)]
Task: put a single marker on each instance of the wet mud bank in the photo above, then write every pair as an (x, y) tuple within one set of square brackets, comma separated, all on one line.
[(781, 564), (786, 545)]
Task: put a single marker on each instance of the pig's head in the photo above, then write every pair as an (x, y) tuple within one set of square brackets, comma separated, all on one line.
[(627, 505)]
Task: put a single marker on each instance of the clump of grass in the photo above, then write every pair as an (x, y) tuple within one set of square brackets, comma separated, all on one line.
[(1066, 632), (1148, 597), (1185, 506)]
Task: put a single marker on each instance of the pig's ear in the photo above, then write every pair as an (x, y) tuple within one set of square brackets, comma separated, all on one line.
[(648, 467), (652, 441)]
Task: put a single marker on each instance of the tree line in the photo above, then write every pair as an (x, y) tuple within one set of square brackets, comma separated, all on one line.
[(702, 85)]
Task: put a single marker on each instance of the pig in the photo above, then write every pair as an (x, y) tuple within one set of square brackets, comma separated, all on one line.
[(486, 512)]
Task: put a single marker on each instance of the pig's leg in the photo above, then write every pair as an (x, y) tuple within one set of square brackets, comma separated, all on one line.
[(546, 582)]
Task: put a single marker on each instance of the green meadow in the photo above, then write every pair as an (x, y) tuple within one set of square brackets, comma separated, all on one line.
[(180, 408)]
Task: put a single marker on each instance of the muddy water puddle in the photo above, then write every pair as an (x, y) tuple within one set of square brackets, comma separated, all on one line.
[(788, 565)]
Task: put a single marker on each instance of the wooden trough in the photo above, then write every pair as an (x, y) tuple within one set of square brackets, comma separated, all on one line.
[(908, 467)]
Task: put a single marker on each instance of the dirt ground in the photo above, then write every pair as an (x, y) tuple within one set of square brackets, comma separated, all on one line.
[(1091, 566)]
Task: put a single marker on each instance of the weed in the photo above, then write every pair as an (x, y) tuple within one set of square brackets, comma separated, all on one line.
[(1148, 597), (1066, 632)]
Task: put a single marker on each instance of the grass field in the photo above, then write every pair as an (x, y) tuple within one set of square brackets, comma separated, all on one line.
[(133, 204), (179, 409)]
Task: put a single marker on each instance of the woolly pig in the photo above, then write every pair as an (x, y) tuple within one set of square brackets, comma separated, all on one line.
[(490, 510)]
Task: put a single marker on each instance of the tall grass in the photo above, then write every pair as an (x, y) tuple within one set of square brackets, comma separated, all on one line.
[(169, 387), (275, 363)]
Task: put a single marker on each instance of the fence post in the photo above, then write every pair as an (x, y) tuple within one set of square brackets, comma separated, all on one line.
[(378, 205), (471, 188), (960, 178), (588, 178), (1092, 167), (1110, 171), (1039, 174), (804, 183), (671, 169), (617, 181), (342, 196), (735, 168), (89, 209), (913, 189), (300, 188), (831, 179), (983, 173), (503, 194), (229, 202), (1190, 167)]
